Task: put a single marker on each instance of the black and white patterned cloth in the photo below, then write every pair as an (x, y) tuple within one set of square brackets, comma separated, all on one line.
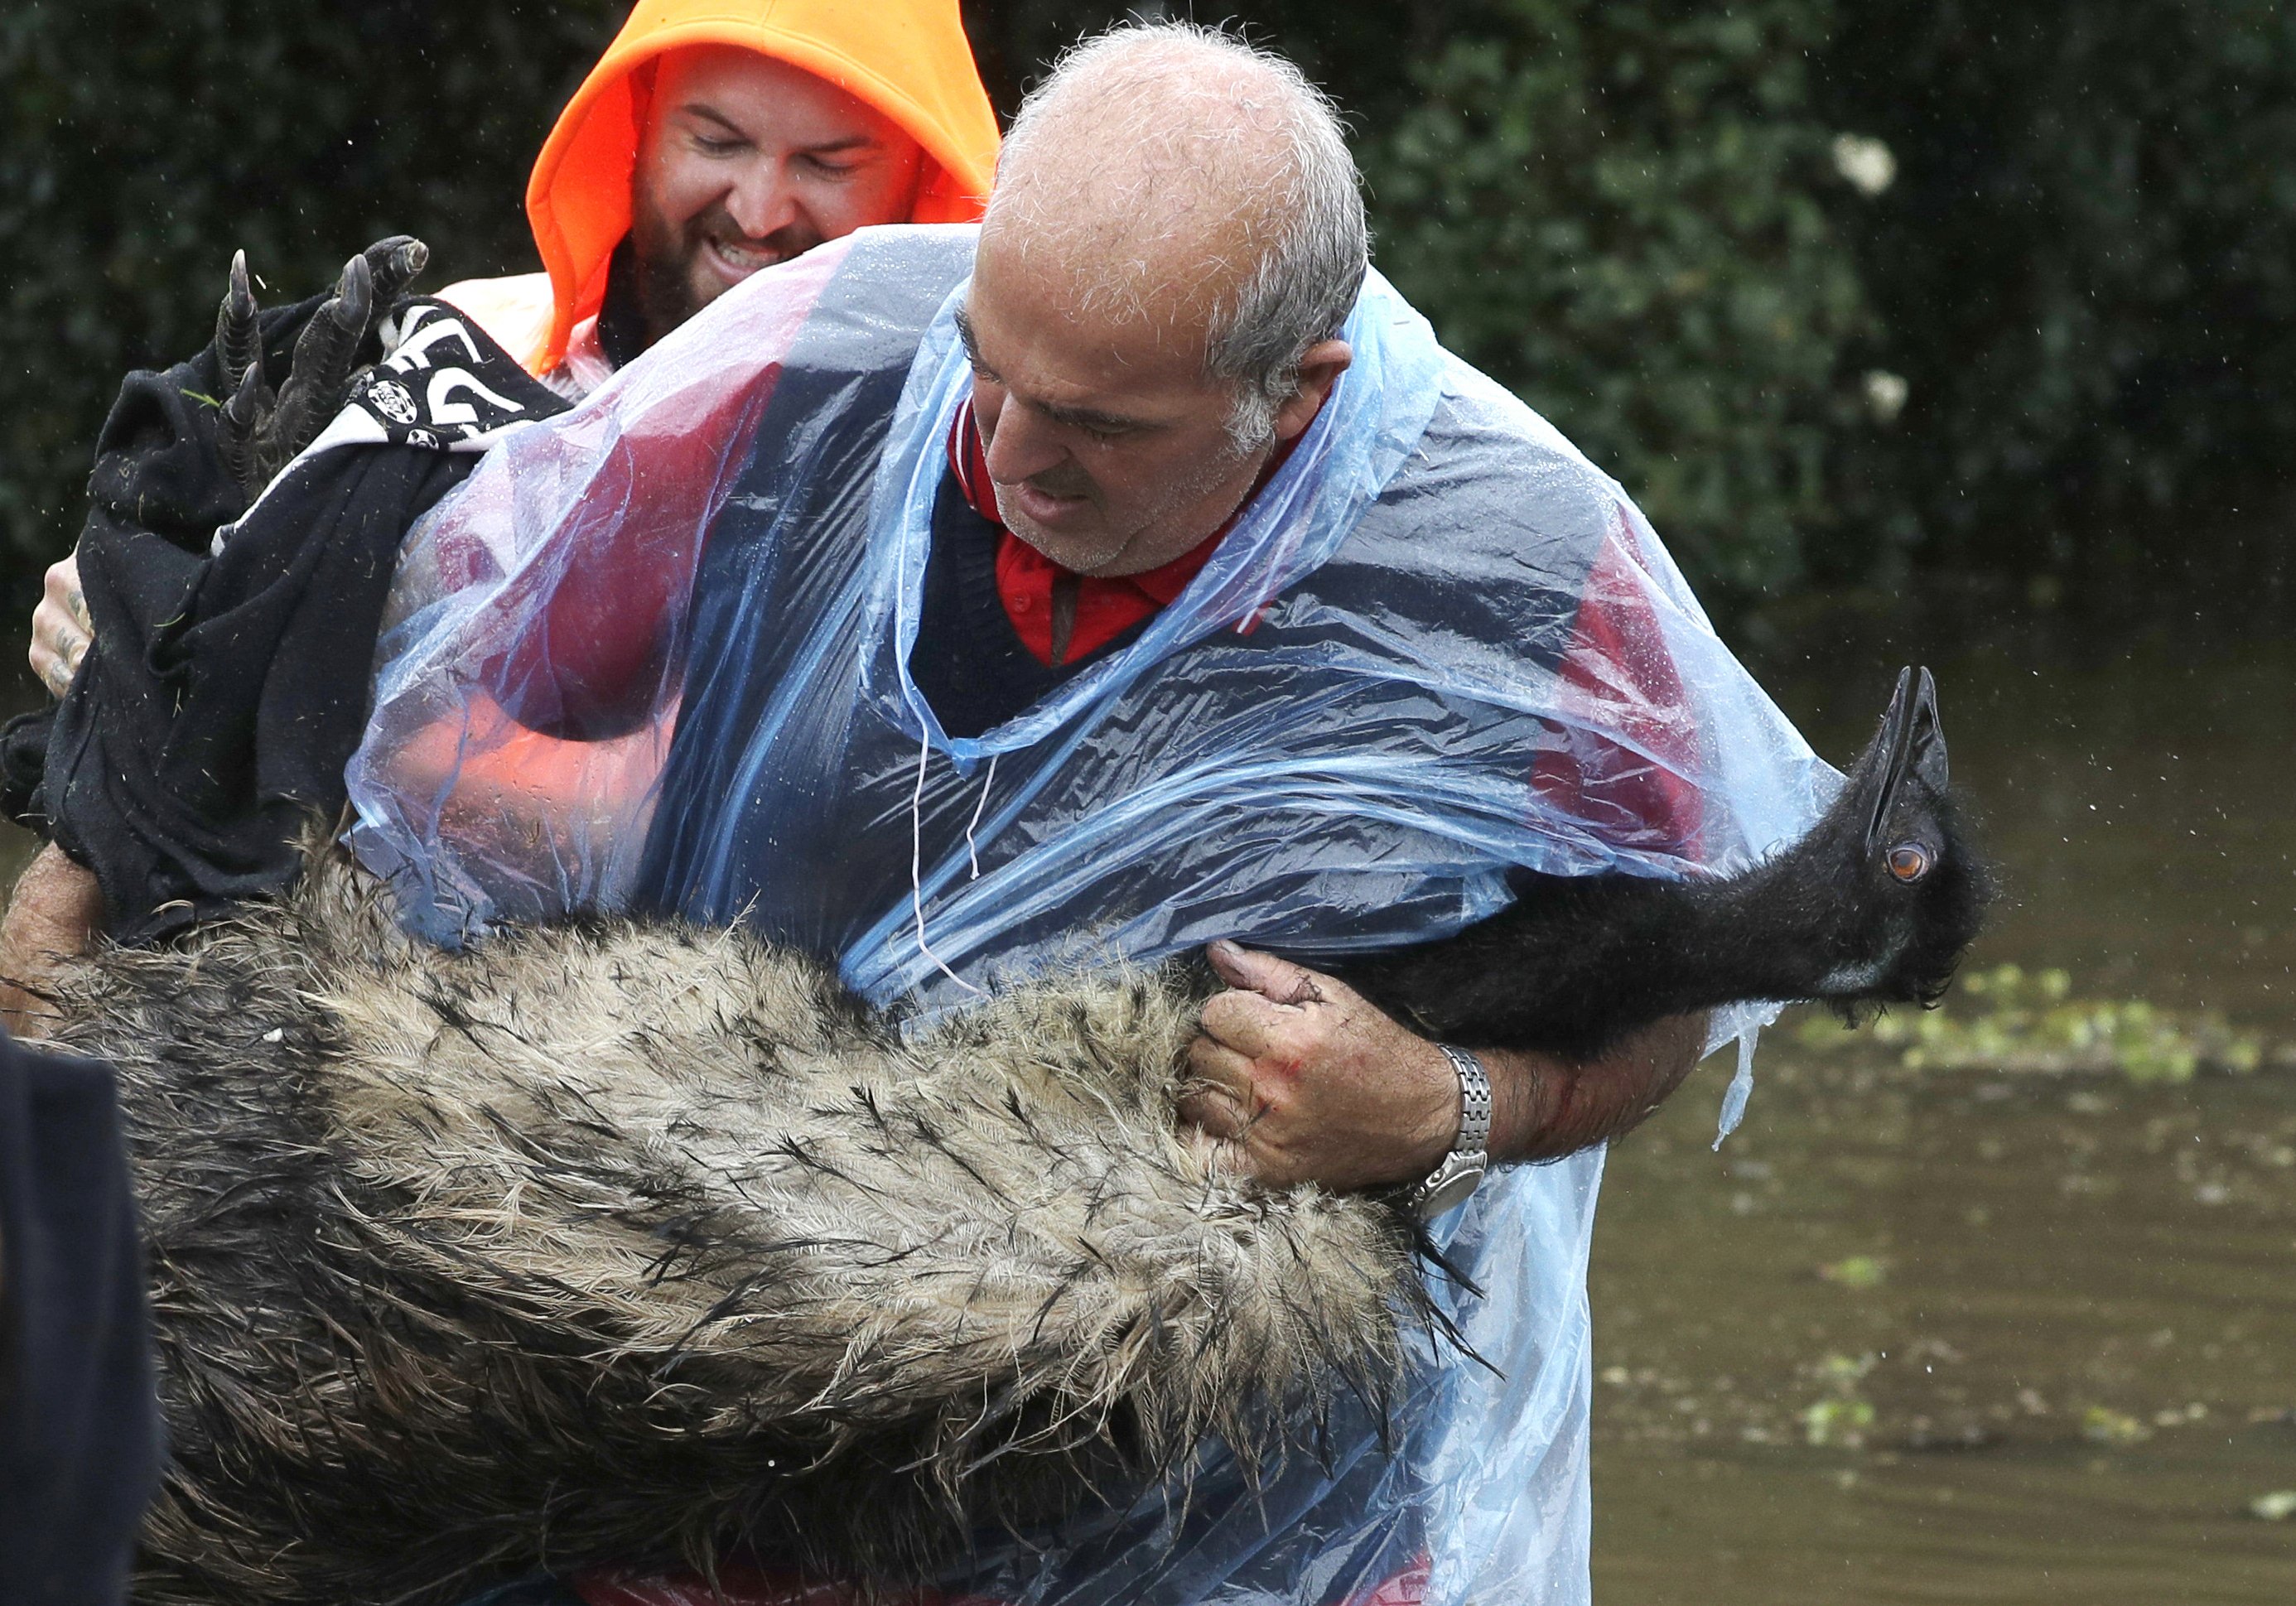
[(228, 684), (444, 386)]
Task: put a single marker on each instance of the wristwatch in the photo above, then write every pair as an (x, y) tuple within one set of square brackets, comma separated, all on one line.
[(1447, 1186)]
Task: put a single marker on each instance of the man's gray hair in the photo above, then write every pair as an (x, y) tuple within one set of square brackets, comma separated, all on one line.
[(1311, 248)]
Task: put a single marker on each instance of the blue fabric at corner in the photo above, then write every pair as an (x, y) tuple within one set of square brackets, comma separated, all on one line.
[(80, 1421)]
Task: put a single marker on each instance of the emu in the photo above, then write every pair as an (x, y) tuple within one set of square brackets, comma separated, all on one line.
[(617, 1240)]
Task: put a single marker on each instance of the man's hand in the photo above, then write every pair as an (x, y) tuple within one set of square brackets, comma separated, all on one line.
[(1301, 1079), (61, 627), (1309, 1083)]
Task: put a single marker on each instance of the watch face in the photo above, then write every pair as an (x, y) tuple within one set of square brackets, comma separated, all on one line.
[(1451, 1192)]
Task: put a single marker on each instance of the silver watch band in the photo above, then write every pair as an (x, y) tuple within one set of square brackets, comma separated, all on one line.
[(1450, 1184), (1474, 1101)]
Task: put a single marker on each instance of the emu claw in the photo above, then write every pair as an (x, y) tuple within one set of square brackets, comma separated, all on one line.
[(258, 434), (245, 419), (394, 264), (238, 338)]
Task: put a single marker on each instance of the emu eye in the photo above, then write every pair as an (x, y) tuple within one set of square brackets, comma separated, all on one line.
[(1910, 861)]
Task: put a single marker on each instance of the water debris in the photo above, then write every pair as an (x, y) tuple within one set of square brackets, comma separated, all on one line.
[(2103, 1425), (1856, 1272), (2277, 1506), (1841, 1420), (1837, 1423), (2011, 1019), (1958, 1431)]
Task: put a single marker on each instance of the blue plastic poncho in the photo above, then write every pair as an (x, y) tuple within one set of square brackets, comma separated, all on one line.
[(655, 655)]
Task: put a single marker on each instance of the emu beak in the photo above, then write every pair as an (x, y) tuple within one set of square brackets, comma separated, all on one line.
[(1912, 742), (1929, 737)]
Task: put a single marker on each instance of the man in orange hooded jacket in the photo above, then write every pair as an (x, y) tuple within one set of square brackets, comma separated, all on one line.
[(713, 138)]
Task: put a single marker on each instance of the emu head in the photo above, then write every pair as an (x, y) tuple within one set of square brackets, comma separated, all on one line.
[(1907, 882)]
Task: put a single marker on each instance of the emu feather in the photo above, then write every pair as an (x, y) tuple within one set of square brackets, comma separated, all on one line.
[(620, 1241)]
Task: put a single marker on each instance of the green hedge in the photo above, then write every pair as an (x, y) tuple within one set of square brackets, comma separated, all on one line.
[(141, 141), (2084, 274), (2087, 272), (1617, 209)]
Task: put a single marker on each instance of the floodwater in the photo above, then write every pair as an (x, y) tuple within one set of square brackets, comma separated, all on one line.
[(1969, 1336)]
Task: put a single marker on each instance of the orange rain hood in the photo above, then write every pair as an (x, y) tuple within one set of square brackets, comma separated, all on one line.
[(909, 59)]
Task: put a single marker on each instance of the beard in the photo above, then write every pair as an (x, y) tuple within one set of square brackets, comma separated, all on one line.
[(673, 280)]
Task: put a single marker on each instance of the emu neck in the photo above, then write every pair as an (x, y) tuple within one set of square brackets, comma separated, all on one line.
[(1782, 930)]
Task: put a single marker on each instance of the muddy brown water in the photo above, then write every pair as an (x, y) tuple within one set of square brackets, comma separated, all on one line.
[(2042, 1329), (2055, 1359)]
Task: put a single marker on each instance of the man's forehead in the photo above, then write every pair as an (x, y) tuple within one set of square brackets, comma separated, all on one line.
[(1078, 357), (760, 93), (1161, 252)]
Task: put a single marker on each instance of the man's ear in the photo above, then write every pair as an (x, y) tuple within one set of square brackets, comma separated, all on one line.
[(1319, 370)]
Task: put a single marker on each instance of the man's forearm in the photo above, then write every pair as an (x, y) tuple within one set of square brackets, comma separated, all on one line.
[(53, 913), (1544, 1107)]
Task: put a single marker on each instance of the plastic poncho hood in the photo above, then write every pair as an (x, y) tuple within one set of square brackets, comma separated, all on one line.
[(1438, 642), (908, 59)]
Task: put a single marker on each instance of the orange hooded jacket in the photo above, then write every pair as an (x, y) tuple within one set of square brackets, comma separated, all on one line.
[(908, 59)]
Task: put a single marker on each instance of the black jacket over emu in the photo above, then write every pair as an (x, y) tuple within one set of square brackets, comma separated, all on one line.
[(615, 1242)]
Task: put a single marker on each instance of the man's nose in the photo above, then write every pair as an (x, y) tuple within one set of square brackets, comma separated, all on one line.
[(1021, 446), (763, 199)]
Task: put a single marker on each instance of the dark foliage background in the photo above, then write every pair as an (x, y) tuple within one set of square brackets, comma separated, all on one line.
[(142, 141), (2088, 272), (2080, 280)]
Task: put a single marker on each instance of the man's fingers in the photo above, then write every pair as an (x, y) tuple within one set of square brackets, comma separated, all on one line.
[(59, 592), (1213, 1062), (56, 654), (1217, 1096), (1212, 1110), (1245, 1022), (60, 629), (1249, 971)]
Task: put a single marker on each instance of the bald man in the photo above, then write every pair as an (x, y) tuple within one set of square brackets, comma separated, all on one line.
[(1146, 346), (1140, 573), (1133, 575)]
